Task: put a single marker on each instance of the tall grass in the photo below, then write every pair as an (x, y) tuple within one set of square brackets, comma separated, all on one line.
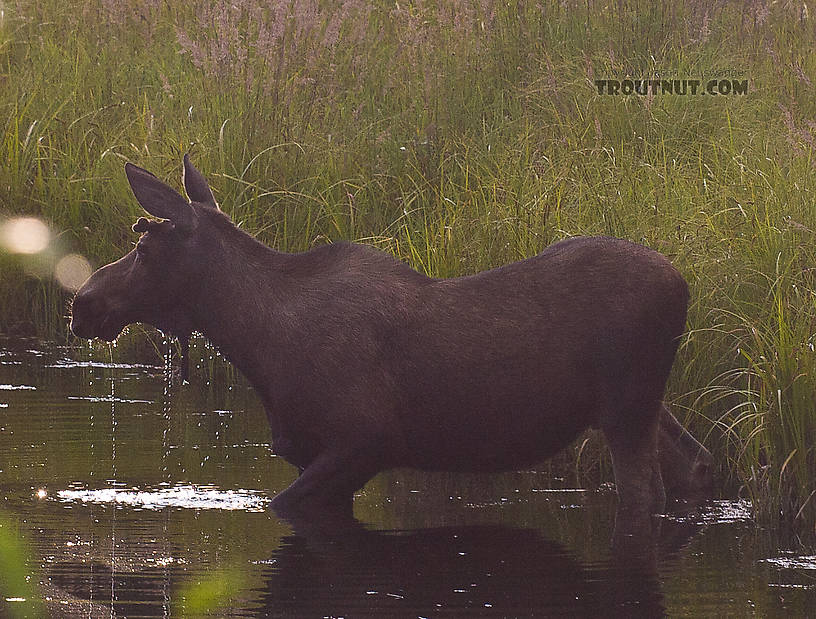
[(457, 136), (18, 580)]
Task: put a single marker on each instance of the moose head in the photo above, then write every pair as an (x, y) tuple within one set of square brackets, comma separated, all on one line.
[(152, 283)]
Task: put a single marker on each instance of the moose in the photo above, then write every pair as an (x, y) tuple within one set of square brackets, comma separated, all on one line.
[(364, 364)]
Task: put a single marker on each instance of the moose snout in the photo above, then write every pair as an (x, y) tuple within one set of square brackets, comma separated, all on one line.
[(81, 316), (90, 316), (81, 329), (703, 471)]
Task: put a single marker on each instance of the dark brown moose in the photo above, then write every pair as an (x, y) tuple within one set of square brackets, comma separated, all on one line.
[(363, 364)]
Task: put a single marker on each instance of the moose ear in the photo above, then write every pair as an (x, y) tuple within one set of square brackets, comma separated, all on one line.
[(196, 186), (158, 199)]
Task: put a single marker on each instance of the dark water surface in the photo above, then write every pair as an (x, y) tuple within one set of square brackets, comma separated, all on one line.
[(130, 492)]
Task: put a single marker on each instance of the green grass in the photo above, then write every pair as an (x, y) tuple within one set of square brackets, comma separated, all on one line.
[(19, 592), (458, 139)]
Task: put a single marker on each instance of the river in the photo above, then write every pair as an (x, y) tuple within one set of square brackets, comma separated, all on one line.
[(137, 496)]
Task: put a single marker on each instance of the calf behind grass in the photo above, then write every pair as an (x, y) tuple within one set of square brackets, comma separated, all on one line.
[(364, 364)]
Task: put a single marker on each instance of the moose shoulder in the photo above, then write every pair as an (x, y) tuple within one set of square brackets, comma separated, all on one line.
[(363, 364)]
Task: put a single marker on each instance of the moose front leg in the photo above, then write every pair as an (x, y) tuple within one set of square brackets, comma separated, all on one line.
[(327, 485), (639, 484)]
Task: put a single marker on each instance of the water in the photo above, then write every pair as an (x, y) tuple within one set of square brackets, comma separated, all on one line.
[(130, 490)]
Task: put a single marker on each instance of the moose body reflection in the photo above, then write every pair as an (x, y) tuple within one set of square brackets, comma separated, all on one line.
[(363, 364), (484, 571)]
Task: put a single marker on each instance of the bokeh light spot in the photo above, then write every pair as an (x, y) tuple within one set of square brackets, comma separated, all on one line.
[(72, 271), (24, 235)]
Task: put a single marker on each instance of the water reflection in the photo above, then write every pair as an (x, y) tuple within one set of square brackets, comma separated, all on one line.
[(486, 571), (93, 589), (482, 570), (151, 486)]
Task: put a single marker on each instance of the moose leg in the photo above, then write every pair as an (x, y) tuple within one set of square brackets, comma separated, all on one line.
[(638, 480), (328, 484)]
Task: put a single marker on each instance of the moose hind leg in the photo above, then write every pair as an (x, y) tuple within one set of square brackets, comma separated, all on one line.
[(634, 449)]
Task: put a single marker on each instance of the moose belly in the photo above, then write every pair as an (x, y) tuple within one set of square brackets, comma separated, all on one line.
[(493, 440)]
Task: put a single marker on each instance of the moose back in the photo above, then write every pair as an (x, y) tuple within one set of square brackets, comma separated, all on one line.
[(364, 364)]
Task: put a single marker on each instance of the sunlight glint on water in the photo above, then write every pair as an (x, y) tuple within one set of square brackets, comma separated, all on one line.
[(179, 496)]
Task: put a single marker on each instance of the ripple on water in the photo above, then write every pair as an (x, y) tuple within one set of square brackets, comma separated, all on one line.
[(71, 363), (107, 398), (721, 511), (792, 562), (182, 496), (727, 511)]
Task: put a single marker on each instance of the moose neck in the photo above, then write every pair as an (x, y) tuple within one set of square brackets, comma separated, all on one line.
[(235, 303)]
